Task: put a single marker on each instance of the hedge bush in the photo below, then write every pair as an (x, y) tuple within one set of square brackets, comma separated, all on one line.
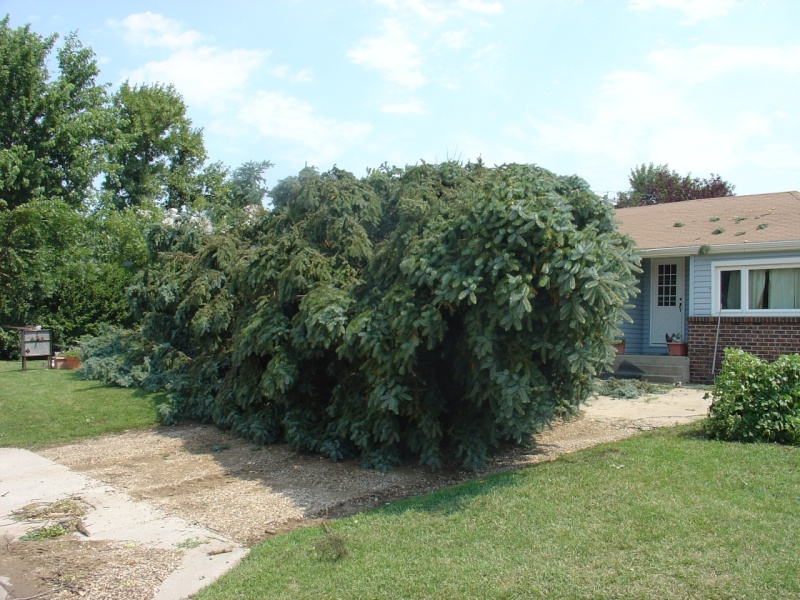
[(429, 311), (756, 401)]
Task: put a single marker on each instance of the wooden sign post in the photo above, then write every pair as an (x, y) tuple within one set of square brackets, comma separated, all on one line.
[(35, 343)]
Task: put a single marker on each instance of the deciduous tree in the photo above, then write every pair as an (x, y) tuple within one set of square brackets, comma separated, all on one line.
[(51, 128), (659, 185), (157, 156)]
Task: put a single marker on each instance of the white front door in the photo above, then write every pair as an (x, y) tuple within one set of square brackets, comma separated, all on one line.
[(667, 303)]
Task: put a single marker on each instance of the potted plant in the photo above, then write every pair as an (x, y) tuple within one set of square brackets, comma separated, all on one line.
[(619, 345), (68, 359), (72, 358), (676, 346)]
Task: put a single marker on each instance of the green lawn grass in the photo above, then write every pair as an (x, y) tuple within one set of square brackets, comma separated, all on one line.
[(662, 515), (41, 407)]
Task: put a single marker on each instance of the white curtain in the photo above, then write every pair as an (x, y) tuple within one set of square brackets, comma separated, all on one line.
[(783, 285), (758, 278)]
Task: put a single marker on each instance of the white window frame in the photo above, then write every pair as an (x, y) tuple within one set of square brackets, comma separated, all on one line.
[(745, 266)]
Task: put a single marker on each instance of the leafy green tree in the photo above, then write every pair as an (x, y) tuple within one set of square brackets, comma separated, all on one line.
[(66, 260), (157, 156), (51, 128), (235, 197), (659, 185), (433, 311), (248, 186), (29, 233), (67, 270)]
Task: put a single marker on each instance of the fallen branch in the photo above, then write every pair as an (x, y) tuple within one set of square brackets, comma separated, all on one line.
[(58, 589)]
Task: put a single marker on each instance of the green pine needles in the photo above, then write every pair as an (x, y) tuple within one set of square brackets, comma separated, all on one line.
[(431, 311)]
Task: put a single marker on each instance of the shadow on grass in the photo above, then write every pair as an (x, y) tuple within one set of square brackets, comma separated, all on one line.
[(157, 398), (456, 498), (93, 386), (693, 431)]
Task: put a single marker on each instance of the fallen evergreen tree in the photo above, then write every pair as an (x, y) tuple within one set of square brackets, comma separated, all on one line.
[(432, 311)]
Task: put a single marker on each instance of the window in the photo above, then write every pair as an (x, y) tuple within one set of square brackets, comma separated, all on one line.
[(762, 287), (667, 290), (731, 290)]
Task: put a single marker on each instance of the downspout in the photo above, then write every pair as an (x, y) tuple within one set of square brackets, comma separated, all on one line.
[(716, 341)]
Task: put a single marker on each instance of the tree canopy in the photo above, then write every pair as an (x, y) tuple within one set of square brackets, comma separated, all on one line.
[(157, 156), (68, 251), (658, 185), (51, 128)]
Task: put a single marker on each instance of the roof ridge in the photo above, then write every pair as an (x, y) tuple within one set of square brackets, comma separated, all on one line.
[(793, 193)]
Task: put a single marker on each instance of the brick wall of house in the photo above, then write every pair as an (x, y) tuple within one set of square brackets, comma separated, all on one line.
[(766, 337)]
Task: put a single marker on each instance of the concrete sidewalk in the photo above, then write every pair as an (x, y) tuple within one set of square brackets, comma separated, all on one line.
[(26, 477)]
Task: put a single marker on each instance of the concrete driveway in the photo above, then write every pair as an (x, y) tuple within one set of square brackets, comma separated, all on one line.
[(26, 477)]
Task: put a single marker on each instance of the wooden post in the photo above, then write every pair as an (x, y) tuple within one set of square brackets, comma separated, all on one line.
[(22, 350)]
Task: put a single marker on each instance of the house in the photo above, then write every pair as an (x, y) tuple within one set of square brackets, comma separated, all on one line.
[(720, 271)]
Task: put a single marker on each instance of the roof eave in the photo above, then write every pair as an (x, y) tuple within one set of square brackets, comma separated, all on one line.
[(721, 249)]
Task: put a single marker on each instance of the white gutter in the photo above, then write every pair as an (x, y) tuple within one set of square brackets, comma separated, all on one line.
[(721, 249)]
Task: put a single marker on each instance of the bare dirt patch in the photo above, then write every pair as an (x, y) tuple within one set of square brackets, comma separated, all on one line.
[(68, 569), (248, 493)]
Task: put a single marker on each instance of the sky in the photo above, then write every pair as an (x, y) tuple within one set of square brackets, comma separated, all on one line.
[(585, 87)]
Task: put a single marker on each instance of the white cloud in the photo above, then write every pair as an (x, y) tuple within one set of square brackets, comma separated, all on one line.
[(303, 76), (153, 30), (685, 110), (279, 71), (278, 115), (412, 107), (481, 52), (431, 13), (479, 6), (221, 80), (483, 56), (706, 62), (283, 72), (393, 55), (454, 39), (693, 10), (409, 50), (205, 76)]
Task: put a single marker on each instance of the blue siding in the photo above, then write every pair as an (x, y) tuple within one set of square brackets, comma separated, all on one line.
[(701, 279), (632, 331), (700, 286), (646, 295), (637, 333)]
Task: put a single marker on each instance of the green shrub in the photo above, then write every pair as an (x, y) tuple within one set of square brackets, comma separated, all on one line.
[(756, 401), (432, 311), (119, 357)]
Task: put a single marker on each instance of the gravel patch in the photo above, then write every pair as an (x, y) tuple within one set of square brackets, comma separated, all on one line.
[(246, 493)]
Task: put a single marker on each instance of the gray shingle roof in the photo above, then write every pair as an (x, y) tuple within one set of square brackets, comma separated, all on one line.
[(729, 221)]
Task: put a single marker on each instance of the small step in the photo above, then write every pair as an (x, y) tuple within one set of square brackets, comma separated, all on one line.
[(655, 368)]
